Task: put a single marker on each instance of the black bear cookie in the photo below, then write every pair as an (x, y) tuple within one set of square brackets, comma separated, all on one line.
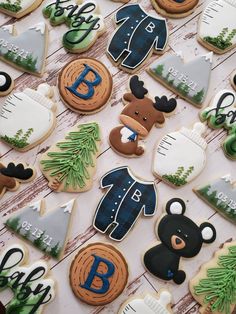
[(180, 237)]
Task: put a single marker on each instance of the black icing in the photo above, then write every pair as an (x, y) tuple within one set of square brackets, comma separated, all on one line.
[(17, 171), (234, 79), (2, 308), (7, 85), (164, 105), (136, 87)]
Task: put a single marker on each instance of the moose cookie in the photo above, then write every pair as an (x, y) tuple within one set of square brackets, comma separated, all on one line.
[(98, 274), (126, 198), (31, 286), (13, 175), (221, 113), (18, 8), (70, 164), (220, 194), (148, 304), (47, 232), (138, 117), (138, 36), (181, 156), (27, 118), (6, 84), (83, 19), (175, 8), (217, 27), (214, 285), (26, 51), (180, 237), (85, 85), (188, 80), (233, 80)]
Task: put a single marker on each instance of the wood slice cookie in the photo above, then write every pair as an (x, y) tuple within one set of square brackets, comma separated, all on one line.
[(174, 8), (85, 85), (98, 274)]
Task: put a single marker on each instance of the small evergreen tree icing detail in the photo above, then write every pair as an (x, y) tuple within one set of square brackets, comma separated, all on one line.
[(180, 177), (223, 40), (20, 140), (11, 6), (215, 285), (70, 164)]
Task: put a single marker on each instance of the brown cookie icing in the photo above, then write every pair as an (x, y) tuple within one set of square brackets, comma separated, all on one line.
[(100, 259), (85, 85), (176, 7)]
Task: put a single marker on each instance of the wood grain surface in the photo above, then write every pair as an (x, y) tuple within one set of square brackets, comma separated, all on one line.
[(182, 37)]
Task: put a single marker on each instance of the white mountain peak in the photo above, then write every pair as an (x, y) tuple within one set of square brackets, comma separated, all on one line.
[(209, 56), (36, 206), (180, 54), (68, 206), (8, 28), (40, 27)]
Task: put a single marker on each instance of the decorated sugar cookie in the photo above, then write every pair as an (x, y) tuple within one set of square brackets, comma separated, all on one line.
[(138, 117), (6, 84), (83, 19), (47, 232), (2, 308), (25, 51), (188, 80), (31, 287), (220, 194), (18, 8), (214, 285), (149, 304), (233, 80), (181, 156), (138, 36), (70, 164), (221, 113), (27, 118), (98, 274), (175, 8), (217, 27), (85, 85), (12, 175), (179, 237), (126, 199)]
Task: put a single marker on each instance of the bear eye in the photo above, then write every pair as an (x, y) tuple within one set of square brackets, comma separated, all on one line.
[(144, 119), (179, 230), (136, 112)]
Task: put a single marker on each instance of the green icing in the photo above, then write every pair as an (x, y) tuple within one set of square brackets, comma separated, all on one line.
[(20, 139), (229, 145), (219, 288), (223, 40), (76, 155), (179, 178), (9, 6)]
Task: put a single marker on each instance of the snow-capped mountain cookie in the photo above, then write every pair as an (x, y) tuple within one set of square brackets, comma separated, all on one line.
[(138, 36), (180, 156), (220, 194), (138, 117), (174, 8), (27, 118), (148, 304), (98, 274), (6, 84), (217, 27), (214, 285), (70, 164), (47, 232), (233, 80), (26, 51), (12, 175), (18, 8), (82, 18), (85, 85), (31, 286), (221, 113), (190, 80), (179, 237), (127, 197)]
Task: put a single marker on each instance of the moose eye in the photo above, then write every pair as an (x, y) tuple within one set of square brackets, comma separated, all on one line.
[(144, 119), (186, 236), (136, 112), (179, 230)]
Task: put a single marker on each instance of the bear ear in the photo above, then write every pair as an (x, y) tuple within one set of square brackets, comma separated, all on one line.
[(208, 232), (175, 206)]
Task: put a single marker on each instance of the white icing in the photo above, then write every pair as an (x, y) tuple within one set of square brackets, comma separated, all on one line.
[(209, 56), (176, 208), (40, 27), (36, 206), (26, 110), (227, 178), (2, 80), (218, 14), (125, 134), (68, 207), (207, 233), (8, 28)]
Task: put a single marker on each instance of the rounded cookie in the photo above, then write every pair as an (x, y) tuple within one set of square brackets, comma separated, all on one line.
[(98, 274), (6, 84), (174, 8), (85, 85)]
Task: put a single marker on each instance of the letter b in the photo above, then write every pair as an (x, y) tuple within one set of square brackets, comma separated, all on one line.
[(82, 80), (136, 196), (103, 277), (150, 27)]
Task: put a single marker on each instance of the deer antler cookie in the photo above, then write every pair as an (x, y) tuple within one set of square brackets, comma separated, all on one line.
[(138, 118)]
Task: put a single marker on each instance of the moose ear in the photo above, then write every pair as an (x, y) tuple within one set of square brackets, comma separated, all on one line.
[(175, 206), (164, 105), (208, 232), (136, 87)]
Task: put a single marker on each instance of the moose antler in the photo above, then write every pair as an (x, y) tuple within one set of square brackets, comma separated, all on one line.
[(17, 171), (136, 87), (164, 105)]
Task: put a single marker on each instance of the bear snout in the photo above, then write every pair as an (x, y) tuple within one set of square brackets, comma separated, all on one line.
[(177, 243)]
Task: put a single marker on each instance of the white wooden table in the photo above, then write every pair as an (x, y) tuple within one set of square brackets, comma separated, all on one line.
[(182, 37)]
